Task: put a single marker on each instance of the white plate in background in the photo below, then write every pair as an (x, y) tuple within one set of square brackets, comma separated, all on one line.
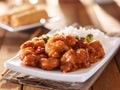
[(29, 26), (20, 28)]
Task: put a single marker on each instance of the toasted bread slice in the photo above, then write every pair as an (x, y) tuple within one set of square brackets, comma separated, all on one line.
[(28, 17), (6, 18)]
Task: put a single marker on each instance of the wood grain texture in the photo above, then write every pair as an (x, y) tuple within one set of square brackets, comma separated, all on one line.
[(90, 88), (110, 78), (31, 88), (6, 85), (83, 16), (2, 35), (112, 11), (117, 59), (9, 48), (110, 23)]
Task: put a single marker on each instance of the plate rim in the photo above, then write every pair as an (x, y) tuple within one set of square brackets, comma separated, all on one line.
[(20, 28), (29, 26)]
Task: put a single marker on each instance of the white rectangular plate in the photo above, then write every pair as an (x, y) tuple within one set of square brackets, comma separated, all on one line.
[(20, 28), (110, 44), (29, 26)]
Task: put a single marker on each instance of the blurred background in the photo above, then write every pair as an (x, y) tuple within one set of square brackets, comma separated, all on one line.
[(54, 8), (101, 14)]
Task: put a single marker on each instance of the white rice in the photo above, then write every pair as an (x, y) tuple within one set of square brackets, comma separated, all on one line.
[(81, 32)]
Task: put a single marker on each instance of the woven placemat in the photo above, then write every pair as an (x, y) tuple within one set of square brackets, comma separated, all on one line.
[(24, 79)]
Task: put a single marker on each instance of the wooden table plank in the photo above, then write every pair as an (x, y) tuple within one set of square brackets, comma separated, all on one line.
[(110, 78), (109, 24), (9, 48), (103, 82), (7, 85), (112, 9), (2, 34), (83, 17), (117, 59), (31, 88)]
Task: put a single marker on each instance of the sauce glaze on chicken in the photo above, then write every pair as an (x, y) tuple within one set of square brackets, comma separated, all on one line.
[(64, 52)]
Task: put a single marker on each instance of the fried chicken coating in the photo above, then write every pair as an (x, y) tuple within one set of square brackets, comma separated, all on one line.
[(30, 60), (58, 44), (96, 51), (82, 58), (56, 49), (32, 51), (49, 63), (27, 44), (61, 51), (73, 60), (69, 61)]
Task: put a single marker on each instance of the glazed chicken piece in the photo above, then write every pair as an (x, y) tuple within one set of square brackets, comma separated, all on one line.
[(49, 63), (30, 58), (58, 44), (82, 58), (32, 51), (34, 43), (70, 40), (27, 44), (26, 51), (56, 49), (69, 61), (73, 60), (96, 51)]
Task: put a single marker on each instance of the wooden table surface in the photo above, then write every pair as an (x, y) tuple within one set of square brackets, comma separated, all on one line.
[(108, 78)]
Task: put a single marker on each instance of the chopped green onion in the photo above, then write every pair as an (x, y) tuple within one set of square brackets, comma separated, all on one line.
[(83, 38), (45, 38), (87, 38), (76, 37)]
